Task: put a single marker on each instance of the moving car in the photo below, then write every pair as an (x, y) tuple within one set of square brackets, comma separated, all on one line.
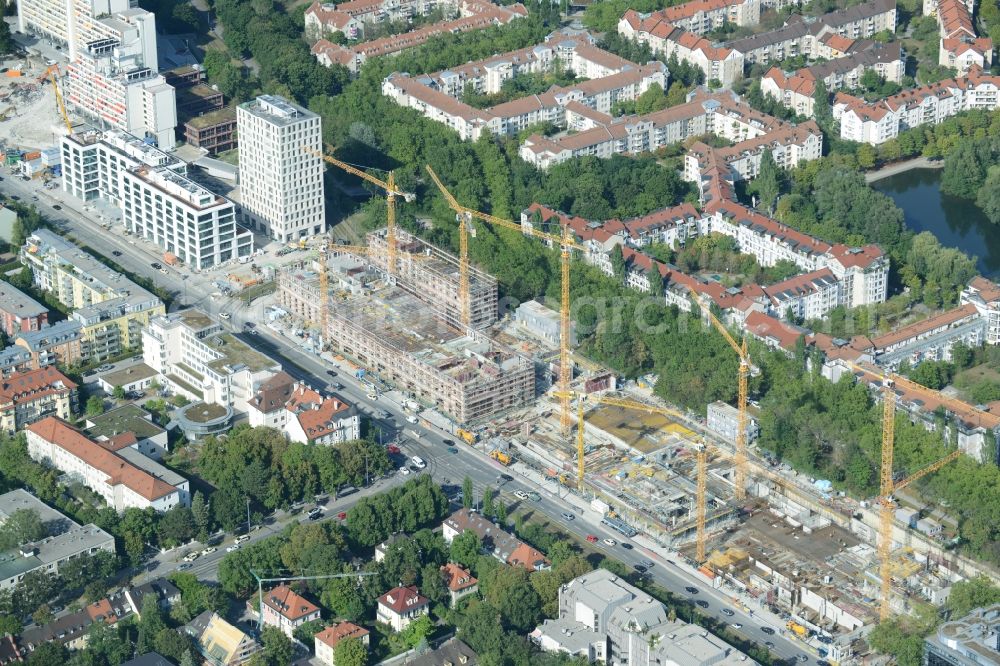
[(156, 266), (116, 253), (609, 542), (691, 590), (209, 550), (534, 497), (702, 603), (184, 566), (411, 419), (726, 611), (737, 625), (520, 494), (233, 548), (639, 568), (342, 515), (568, 516), (418, 462), (591, 538), (626, 545), (404, 470), (225, 315), (767, 630)]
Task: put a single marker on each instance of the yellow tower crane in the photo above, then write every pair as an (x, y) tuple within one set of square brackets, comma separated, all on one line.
[(51, 73), (565, 243), (746, 369), (887, 487), (391, 192)]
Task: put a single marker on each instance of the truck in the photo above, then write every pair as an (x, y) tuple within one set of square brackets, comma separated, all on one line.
[(502, 457), (170, 259), (467, 436), (797, 629)]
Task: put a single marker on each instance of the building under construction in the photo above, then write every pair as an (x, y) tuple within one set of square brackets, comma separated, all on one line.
[(434, 279), (388, 330)]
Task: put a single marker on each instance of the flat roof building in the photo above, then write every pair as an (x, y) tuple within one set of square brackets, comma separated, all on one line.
[(214, 131), (19, 313), (66, 540), (281, 173), (973, 640)]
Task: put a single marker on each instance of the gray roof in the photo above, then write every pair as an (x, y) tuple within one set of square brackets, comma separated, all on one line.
[(150, 466), (149, 659), (450, 652), (127, 418), (54, 334), (17, 303), (14, 356), (570, 635)]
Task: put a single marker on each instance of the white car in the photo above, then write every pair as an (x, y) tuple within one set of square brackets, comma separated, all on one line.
[(404, 470), (372, 396), (411, 419), (191, 557), (209, 550), (418, 462), (609, 542), (233, 548), (225, 315), (521, 495), (242, 538)]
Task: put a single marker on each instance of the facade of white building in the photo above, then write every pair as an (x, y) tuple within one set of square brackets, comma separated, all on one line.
[(302, 412), (196, 357), (281, 171), (124, 478), (72, 23), (182, 217)]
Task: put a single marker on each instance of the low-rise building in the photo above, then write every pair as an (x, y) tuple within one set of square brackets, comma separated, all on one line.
[(113, 327), (287, 610), (303, 413), (66, 540), (503, 545), (604, 618), (460, 583), (150, 439), (219, 642), (931, 339), (985, 295), (14, 359), (325, 642), (19, 313), (724, 419), (60, 343), (196, 357), (967, 641), (113, 469), (214, 131), (400, 606), (72, 631), (453, 652), (135, 377), (28, 397)]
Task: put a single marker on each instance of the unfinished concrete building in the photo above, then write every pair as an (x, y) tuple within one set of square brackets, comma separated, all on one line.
[(468, 376), (432, 275)]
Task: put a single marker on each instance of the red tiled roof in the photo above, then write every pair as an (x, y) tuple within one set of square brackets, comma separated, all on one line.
[(402, 599), (117, 469), (767, 327), (527, 557), (33, 385), (946, 318), (338, 632), (457, 578), (861, 257), (289, 604)]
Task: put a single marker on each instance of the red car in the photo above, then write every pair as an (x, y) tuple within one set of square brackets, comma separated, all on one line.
[(591, 538), (392, 448), (342, 515)]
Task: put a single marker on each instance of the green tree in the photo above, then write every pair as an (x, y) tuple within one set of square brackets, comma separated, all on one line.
[(10, 625), (617, 263), (172, 644), (202, 515), (652, 100), (22, 526), (467, 493), (278, 650), (49, 654), (965, 168), (655, 281), (350, 652), (7, 43), (821, 106), (95, 406), (767, 184), (466, 548), (151, 623), (890, 638), (118, 393), (968, 595), (432, 584), (509, 590), (988, 196)]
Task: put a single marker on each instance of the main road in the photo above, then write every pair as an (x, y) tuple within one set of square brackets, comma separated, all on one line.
[(446, 466)]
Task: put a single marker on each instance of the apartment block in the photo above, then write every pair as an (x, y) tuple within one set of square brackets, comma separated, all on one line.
[(73, 23), (14, 359), (28, 397), (67, 540), (877, 122), (196, 357), (806, 296), (465, 374), (60, 343), (114, 326), (959, 46), (214, 131), (19, 313), (113, 80), (604, 618), (724, 419), (281, 172), (123, 477), (93, 162), (473, 15), (611, 79), (286, 609), (303, 413), (795, 90), (182, 218), (431, 275), (701, 16), (985, 295), (931, 339)]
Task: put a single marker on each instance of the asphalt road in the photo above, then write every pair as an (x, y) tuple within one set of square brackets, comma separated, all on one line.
[(446, 467)]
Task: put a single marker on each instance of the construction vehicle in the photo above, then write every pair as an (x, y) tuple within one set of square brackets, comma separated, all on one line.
[(797, 629), (565, 243), (745, 370), (467, 436), (502, 457), (51, 73)]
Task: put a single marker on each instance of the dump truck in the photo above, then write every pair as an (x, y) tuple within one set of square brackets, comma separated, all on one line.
[(797, 629), (467, 436)]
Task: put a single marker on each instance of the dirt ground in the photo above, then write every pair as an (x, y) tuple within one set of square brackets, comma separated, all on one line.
[(33, 118)]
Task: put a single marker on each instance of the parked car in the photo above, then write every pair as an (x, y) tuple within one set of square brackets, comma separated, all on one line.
[(520, 494), (691, 590), (156, 266), (225, 315), (626, 545), (233, 548), (418, 462), (701, 603), (342, 515), (191, 557), (404, 470), (209, 550), (535, 497), (639, 568), (184, 566)]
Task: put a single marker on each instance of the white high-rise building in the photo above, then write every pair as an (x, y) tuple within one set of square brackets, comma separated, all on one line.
[(113, 80), (183, 218), (73, 23), (281, 184)]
